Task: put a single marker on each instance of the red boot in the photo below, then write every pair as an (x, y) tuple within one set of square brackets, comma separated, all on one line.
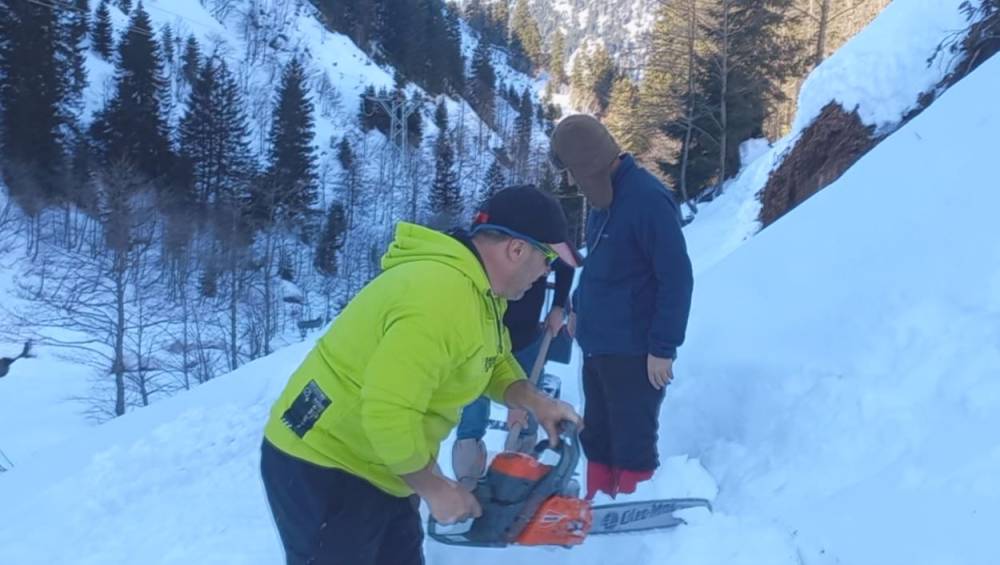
[(599, 478), (627, 480)]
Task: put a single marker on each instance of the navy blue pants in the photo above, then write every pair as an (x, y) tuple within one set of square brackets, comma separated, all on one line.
[(331, 517), (621, 413)]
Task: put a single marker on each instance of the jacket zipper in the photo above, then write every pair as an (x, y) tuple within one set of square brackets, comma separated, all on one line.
[(590, 253), (600, 232), (496, 315)]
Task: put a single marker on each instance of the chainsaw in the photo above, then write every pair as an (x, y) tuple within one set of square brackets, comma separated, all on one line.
[(528, 502)]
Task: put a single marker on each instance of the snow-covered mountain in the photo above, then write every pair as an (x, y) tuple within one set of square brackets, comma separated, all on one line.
[(257, 39), (620, 26)]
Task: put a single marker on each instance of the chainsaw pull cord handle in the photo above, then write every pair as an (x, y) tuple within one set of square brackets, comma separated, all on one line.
[(552, 483), (568, 447)]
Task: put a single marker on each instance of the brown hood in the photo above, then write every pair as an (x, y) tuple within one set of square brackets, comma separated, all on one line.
[(582, 145)]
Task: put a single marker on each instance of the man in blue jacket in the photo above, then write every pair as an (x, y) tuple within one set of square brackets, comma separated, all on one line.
[(631, 304)]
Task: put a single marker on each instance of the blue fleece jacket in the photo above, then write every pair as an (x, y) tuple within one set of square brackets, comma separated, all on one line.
[(634, 293)]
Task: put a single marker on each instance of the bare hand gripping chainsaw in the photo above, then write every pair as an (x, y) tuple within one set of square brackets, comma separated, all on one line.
[(527, 502)]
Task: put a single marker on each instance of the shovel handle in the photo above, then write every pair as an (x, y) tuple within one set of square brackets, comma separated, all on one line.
[(512, 442)]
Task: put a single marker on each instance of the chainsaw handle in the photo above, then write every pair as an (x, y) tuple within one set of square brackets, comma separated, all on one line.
[(568, 435)]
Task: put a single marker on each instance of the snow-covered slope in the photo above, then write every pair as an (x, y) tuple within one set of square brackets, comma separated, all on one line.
[(838, 387), (840, 373), (881, 72), (256, 38)]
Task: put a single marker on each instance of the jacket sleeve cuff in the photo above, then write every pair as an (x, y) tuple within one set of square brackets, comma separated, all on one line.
[(664, 352)]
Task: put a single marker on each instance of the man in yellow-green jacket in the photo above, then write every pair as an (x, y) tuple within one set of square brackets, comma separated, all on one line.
[(351, 444)]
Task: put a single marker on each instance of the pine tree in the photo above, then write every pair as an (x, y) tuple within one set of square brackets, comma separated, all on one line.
[(517, 57), (499, 26), (549, 182), (623, 118), (747, 58), (415, 121), (345, 154), (525, 29), (441, 116), (32, 101), (214, 136), (668, 89), (81, 19), (390, 18), (350, 181), (101, 40), (422, 40), (368, 111), (476, 15), (291, 176), (190, 60), (522, 136), (75, 47), (332, 240), (125, 6), (133, 125), (454, 63), (512, 96), (581, 87), (495, 181), (482, 83), (665, 74), (557, 58), (437, 46), (167, 39), (603, 73), (591, 80), (445, 195)]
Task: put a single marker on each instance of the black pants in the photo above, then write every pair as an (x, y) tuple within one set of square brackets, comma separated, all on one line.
[(330, 517), (621, 413)]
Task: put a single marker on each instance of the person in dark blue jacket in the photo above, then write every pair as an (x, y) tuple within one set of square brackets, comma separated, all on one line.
[(631, 304)]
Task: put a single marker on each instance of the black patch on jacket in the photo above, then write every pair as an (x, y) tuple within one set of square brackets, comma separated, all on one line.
[(308, 406)]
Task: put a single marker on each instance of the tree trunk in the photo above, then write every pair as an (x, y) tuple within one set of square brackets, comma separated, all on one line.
[(233, 303), (723, 97), (824, 29), (691, 38), (118, 366)]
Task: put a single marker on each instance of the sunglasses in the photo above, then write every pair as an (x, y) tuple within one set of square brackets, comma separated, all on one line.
[(550, 254)]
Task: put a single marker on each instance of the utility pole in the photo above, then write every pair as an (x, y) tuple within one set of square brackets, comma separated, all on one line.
[(399, 109)]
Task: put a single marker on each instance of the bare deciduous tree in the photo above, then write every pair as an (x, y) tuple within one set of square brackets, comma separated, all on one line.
[(98, 301), (836, 18)]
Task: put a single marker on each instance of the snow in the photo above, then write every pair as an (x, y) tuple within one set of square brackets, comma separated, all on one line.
[(751, 149), (38, 406), (883, 69), (836, 398), (840, 370), (881, 72)]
